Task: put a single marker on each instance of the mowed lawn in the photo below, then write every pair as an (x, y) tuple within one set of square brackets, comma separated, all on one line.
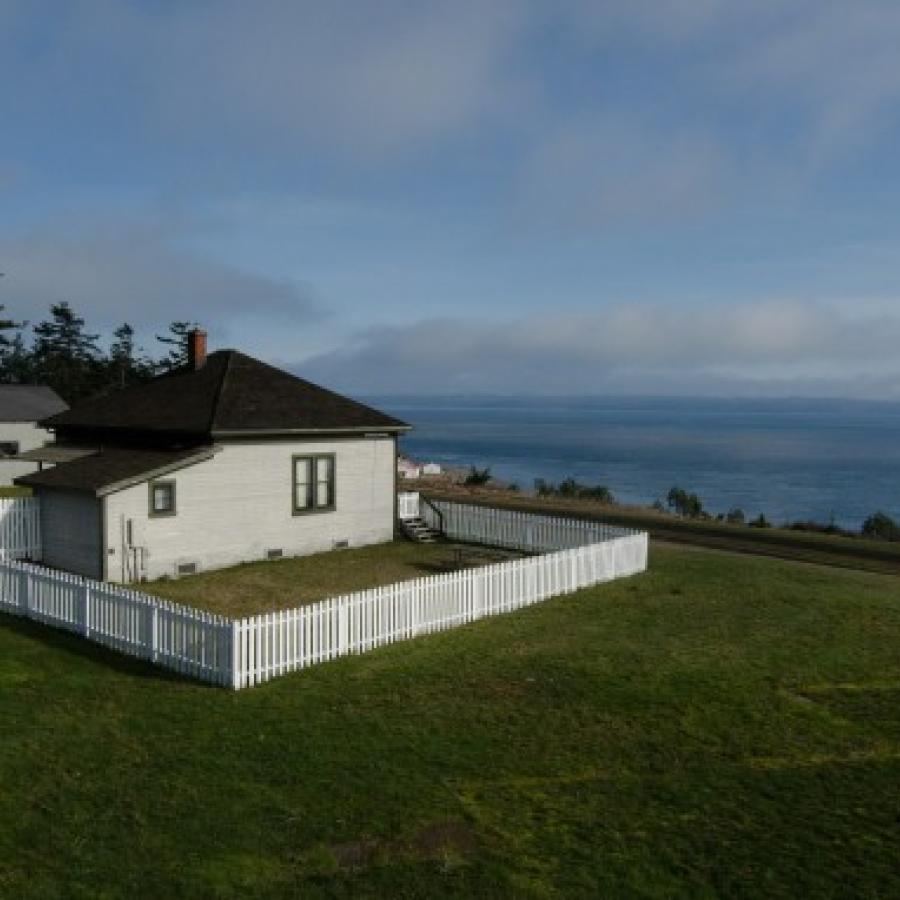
[(260, 587), (721, 726)]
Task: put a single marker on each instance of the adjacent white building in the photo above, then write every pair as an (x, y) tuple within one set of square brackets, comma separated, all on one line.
[(407, 468), (224, 461), (22, 406)]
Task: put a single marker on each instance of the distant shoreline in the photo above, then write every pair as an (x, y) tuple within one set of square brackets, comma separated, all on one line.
[(818, 461)]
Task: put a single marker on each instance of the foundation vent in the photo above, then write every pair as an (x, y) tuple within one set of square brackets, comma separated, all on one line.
[(189, 568), (341, 545), (274, 554)]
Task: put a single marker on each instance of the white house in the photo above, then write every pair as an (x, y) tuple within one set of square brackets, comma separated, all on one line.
[(407, 468), (22, 406), (222, 461)]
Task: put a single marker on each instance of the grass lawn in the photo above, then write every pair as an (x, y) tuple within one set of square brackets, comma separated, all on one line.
[(13, 490), (260, 587), (833, 550), (721, 726)]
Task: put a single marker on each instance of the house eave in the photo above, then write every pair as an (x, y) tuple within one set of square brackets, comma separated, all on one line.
[(123, 483), (385, 430), (140, 478)]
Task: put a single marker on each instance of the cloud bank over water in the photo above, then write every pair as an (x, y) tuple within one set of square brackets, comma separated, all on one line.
[(788, 347)]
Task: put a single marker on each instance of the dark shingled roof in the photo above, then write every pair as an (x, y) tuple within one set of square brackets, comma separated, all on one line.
[(114, 467), (28, 402), (230, 394)]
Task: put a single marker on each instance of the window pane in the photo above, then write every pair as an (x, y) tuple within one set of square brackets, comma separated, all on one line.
[(162, 498), (323, 481), (302, 472)]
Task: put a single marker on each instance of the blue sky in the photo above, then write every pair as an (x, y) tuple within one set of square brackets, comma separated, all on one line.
[(619, 196)]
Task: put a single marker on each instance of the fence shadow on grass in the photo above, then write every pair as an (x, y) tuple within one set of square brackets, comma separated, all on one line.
[(72, 644)]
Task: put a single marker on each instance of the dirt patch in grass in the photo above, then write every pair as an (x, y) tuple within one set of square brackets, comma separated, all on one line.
[(267, 586), (443, 841)]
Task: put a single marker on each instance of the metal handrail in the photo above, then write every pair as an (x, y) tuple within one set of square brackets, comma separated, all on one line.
[(437, 512)]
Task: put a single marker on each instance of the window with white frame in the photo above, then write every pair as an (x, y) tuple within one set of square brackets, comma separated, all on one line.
[(313, 483)]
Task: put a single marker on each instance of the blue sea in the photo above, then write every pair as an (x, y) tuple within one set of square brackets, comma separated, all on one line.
[(790, 459)]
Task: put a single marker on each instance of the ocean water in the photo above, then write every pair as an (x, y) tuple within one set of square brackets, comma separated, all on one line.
[(789, 459)]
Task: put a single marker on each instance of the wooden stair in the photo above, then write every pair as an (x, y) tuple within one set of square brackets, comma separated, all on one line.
[(416, 530)]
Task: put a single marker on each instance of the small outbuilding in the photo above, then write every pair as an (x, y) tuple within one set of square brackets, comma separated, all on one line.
[(22, 407), (222, 461)]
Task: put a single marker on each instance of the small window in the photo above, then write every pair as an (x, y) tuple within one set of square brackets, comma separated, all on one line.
[(313, 483), (9, 448), (162, 498)]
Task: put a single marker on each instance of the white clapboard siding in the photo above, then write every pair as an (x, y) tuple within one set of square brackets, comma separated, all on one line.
[(20, 528), (573, 555), (190, 641)]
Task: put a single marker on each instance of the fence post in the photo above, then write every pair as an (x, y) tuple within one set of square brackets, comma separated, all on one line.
[(86, 618), (343, 636), (24, 589), (235, 637), (154, 632)]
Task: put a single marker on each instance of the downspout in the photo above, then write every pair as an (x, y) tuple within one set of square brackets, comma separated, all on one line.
[(396, 498), (103, 554)]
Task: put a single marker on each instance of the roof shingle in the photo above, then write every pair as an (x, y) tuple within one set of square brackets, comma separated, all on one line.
[(114, 467), (28, 402), (231, 394)]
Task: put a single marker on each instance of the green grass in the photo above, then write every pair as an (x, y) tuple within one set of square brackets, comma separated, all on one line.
[(260, 587), (721, 726), (785, 543), (13, 490)]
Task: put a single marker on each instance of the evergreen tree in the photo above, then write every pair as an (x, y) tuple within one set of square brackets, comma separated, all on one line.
[(16, 362), (66, 357), (63, 336), (125, 365), (10, 348), (177, 339), (7, 325)]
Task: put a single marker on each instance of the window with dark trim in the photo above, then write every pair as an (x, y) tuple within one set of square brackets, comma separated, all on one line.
[(313, 483), (162, 498)]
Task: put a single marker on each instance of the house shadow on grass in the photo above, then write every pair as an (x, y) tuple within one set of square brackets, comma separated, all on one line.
[(73, 645)]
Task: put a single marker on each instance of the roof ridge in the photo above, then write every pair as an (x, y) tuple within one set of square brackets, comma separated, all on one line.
[(214, 412)]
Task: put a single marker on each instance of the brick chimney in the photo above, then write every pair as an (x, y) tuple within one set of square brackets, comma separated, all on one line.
[(196, 348)]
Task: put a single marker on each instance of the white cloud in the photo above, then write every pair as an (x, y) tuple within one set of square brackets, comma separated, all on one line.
[(838, 64), (284, 76), (138, 272), (626, 347)]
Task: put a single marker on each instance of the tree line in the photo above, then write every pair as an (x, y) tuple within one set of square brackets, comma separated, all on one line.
[(878, 526), (688, 505), (62, 353)]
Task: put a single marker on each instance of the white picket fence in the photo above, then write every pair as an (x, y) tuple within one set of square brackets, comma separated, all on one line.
[(245, 652), (273, 644), (187, 640), (513, 529), (20, 528)]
